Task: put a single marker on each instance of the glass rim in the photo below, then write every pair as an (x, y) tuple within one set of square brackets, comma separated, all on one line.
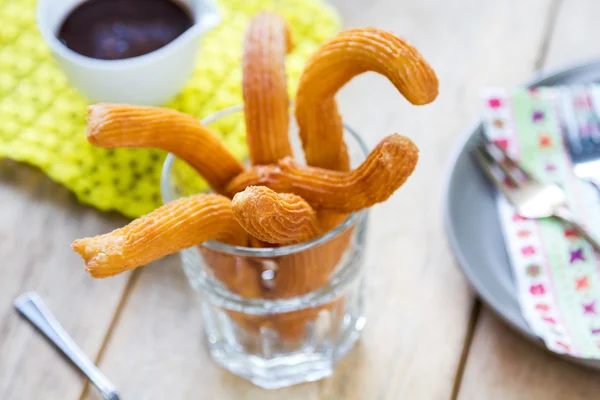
[(266, 252)]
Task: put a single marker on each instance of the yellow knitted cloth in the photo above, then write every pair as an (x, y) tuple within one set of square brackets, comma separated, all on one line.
[(42, 119)]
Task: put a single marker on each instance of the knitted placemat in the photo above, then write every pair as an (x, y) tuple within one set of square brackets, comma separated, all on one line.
[(42, 118)]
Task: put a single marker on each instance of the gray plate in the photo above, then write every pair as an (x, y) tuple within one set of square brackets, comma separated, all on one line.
[(472, 223)]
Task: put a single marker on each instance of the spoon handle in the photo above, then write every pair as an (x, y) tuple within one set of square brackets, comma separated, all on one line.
[(31, 306)]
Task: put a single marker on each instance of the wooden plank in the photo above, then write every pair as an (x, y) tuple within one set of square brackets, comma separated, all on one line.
[(504, 365), (571, 40), (38, 221), (418, 304), (157, 349), (501, 365)]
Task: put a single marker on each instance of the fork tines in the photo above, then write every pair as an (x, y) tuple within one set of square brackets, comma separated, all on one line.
[(493, 157)]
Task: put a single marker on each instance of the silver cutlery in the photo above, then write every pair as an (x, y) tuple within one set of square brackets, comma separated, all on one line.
[(530, 197), (31, 306), (582, 137)]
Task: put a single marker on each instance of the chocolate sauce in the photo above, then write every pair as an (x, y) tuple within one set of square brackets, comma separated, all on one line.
[(117, 29)]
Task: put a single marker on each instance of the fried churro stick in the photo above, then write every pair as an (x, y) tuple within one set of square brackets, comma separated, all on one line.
[(377, 178), (173, 227), (266, 103), (113, 125), (303, 272), (287, 219), (334, 64), (277, 218)]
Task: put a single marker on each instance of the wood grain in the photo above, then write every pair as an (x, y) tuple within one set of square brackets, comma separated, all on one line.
[(570, 39), (38, 221), (157, 349), (501, 365), (418, 304)]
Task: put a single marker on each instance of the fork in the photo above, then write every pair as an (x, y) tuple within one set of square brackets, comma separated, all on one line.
[(531, 198), (582, 138)]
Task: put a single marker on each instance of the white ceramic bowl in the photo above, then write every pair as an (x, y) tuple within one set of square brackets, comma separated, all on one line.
[(150, 79)]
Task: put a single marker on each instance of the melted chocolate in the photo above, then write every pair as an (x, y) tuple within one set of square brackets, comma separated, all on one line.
[(117, 29)]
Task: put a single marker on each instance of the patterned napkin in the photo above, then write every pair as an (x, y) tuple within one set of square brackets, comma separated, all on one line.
[(42, 118), (556, 271)]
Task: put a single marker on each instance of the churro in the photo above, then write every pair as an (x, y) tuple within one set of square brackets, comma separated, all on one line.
[(335, 63), (115, 126), (386, 168), (284, 218), (173, 227), (277, 218), (264, 83)]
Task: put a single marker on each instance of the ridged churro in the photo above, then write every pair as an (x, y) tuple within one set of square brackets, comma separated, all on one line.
[(173, 227), (116, 126), (386, 168), (335, 63), (264, 84), (277, 218), (301, 273), (287, 219)]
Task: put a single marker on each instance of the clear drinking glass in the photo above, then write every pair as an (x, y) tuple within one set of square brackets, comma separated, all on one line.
[(283, 315)]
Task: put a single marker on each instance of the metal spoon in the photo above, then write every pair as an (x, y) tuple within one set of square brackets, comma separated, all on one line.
[(31, 306)]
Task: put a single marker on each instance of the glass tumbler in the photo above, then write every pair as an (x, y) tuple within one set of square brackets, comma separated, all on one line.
[(284, 315)]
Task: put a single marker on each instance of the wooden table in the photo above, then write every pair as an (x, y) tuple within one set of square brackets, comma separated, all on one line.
[(427, 336)]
